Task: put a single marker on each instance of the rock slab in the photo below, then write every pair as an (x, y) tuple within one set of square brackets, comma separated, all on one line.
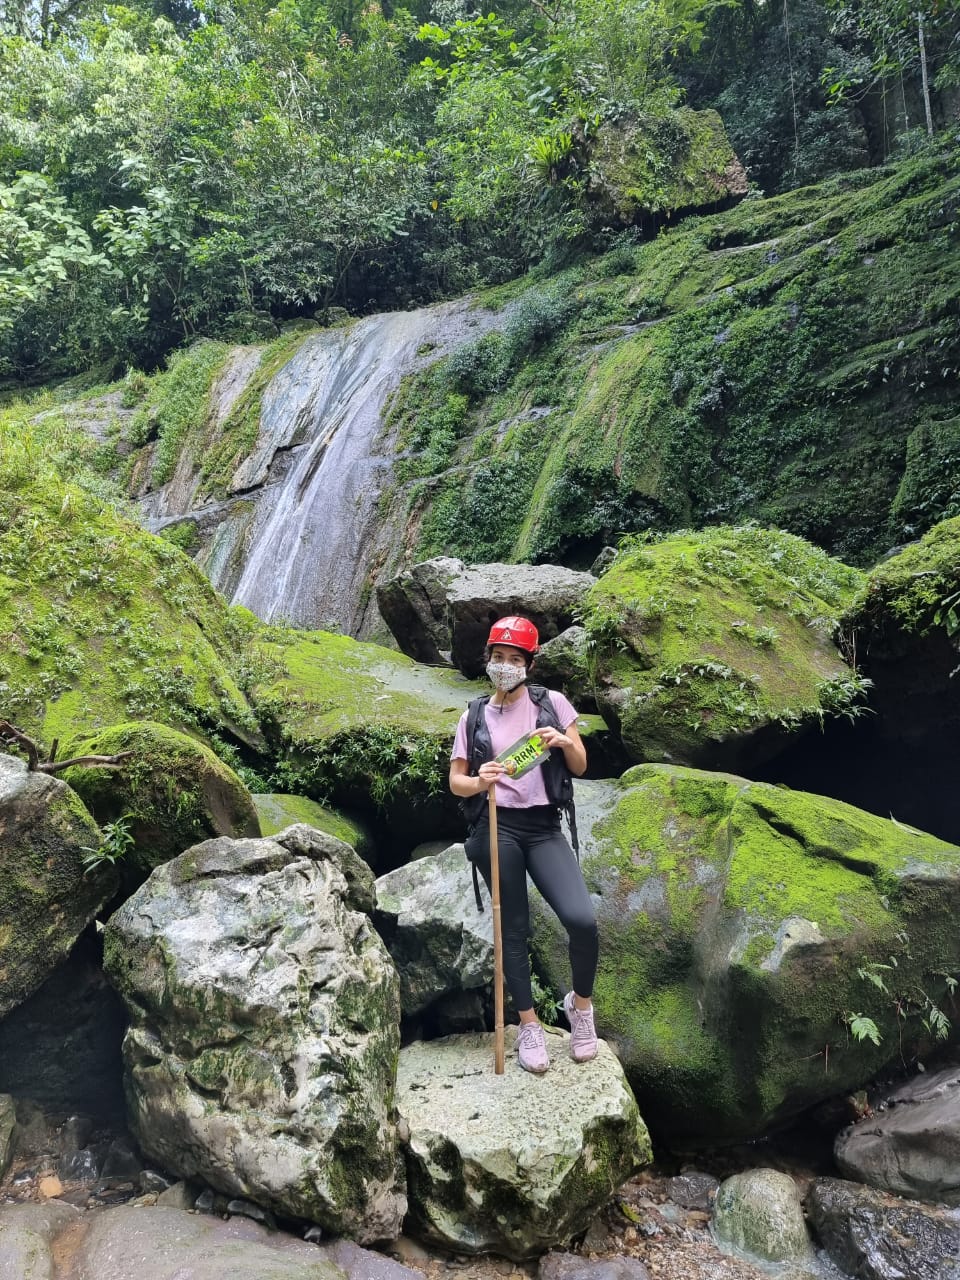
[(913, 1147), (265, 1028), (513, 1164), (874, 1236), (27, 1233), (443, 608)]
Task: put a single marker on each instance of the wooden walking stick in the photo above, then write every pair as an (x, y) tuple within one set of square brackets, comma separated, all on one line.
[(497, 935)]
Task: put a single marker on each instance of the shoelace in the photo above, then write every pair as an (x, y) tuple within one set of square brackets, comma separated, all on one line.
[(582, 1028), (531, 1036)]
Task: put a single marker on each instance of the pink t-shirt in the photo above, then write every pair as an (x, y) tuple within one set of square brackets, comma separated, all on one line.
[(505, 726)]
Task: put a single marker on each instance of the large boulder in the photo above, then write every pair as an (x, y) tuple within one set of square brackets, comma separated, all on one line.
[(27, 1235), (265, 1028), (173, 790), (366, 729), (442, 609), (740, 924), (628, 180), (8, 1123), (46, 901), (512, 1164), (910, 1148), (427, 915), (710, 648), (877, 1237)]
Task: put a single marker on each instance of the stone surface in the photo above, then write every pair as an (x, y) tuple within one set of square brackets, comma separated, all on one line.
[(734, 919), (913, 1147), (8, 1123), (265, 1026), (878, 1237), (61, 1047), (693, 1190), (562, 664), (571, 1266), (277, 812), (365, 1264), (512, 1164), (153, 1243), (444, 607), (46, 901), (760, 1213), (27, 1232), (427, 915)]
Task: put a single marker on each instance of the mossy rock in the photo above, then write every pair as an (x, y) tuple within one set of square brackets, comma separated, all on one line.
[(911, 594), (175, 791), (277, 812), (737, 920), (711, 648), (101, 622), (46, 900), (367, 729), (627, 177)]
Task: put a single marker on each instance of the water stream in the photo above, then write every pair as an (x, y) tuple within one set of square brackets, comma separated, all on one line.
[(294, 543)]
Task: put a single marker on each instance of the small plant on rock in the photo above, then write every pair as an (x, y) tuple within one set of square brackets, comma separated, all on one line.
[(116, 841)]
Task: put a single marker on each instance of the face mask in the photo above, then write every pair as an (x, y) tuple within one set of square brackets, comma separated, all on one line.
[(504, 676)]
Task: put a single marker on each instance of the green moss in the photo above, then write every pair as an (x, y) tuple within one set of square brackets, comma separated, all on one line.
[(278, 811), (911, 588), (714, 634), (735, 920), (173, 789)]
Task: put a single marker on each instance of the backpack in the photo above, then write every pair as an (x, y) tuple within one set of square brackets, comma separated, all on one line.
[(557, 779)]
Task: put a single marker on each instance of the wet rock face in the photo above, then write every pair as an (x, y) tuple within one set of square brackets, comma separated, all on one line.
[(911, 1148), (513, 1164), (443, 608), (46, 901), (734, 918), (877, 1237), (265, 1027)]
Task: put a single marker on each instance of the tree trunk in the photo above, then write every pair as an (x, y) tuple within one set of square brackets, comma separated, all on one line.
[(923, 74)]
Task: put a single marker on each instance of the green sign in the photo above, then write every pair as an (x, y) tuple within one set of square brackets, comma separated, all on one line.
[(526, 753)]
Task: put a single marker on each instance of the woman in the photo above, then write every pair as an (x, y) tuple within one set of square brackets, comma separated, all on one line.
[(528, 826)]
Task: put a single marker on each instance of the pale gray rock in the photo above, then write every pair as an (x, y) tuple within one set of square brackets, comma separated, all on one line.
[(8, 1124), (46, 901), (27, 1232), (875, 1236), (151, 1243), (571, 1266), (180, 1196), (759, 1212), (427, 915), (264, 1028), (913, 1147), (365, 1264), (513, 1164), (444, 607)]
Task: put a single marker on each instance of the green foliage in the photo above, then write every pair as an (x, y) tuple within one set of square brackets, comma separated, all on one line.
[(116, 842)]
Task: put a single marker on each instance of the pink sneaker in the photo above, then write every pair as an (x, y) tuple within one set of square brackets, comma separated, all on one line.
[(583, 1034), (532, 1048)]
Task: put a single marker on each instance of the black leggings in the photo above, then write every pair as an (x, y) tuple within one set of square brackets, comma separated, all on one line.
[(531, 840)]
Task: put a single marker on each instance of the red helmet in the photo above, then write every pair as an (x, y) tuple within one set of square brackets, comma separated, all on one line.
[(520, 633)]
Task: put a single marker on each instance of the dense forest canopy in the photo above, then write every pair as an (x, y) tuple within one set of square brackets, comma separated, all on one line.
[(169, 169)]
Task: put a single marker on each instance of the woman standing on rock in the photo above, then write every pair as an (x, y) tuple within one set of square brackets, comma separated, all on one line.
[(528, 826)]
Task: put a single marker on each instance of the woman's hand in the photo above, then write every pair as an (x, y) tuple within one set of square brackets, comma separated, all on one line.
[(554, 738), (489, 772)]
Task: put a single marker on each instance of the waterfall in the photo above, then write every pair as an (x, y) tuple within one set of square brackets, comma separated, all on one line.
[(305, 537)]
